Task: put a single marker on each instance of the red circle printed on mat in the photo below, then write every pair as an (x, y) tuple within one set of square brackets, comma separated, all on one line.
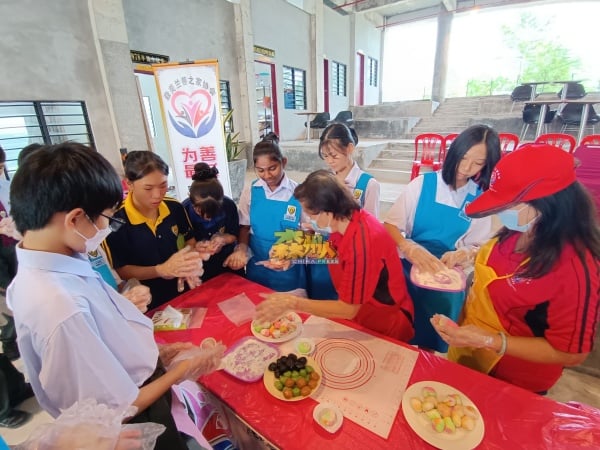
[(345, 364)]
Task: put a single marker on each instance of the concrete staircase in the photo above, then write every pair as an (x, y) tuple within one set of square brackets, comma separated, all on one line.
[(394, 163)]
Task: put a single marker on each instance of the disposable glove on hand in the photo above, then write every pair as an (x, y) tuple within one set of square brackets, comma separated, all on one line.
[(8, 228), (422, 259), (465, 336), (238, 259), (140, 296), (166, 352), (463, 257), (185, 263), (198, 361), (275, 306)]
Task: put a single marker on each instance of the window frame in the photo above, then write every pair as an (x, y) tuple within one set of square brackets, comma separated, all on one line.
[(294, 81), (339, 76), (49, 130), (373, 72)]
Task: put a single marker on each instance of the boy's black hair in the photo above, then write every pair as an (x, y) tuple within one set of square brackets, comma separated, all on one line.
[(28, 150), (2, 155), (60, 178)]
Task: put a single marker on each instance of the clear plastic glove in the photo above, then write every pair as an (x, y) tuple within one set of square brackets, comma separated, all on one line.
[(8, 228), (88, 425), (192, 282), (420, 257), (463, 257), (238, 259), (279, 265), (275, 306), (185, 263), (457, 336), (198, 361), (137, 293), (166, 352)]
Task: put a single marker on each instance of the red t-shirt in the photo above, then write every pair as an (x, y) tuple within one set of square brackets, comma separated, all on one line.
[(562, 306), (370, 273)]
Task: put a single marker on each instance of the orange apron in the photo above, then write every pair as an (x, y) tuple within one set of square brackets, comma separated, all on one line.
[(479, 310)]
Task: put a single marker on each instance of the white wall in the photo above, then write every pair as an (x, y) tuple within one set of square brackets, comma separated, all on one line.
[(336, 37), (187, 30), (368, 39), (49, 53), (286, 29)]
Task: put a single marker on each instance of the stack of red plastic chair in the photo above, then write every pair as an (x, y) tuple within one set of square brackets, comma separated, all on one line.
[(560, 140), (593, 139), (508, 142), (428, 150), (588, 169)]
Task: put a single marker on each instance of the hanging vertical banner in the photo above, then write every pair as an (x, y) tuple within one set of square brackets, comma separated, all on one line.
[(190, 101)]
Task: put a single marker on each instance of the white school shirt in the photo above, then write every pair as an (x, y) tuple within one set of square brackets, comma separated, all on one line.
[(372, 190), (402, 212), (78, 337), (282, 193)]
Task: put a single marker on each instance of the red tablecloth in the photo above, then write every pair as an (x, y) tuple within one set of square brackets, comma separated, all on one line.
[(514, 418)]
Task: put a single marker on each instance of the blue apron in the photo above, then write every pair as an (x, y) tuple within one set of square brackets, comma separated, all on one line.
[(100, 265), (361, 187), (436, 227), (266, 218), (320, 286)]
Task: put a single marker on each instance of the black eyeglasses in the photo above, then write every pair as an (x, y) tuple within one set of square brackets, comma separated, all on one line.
[(114, 223)]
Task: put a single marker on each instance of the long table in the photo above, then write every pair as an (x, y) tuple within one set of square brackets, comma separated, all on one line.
[(544, 107), (514, 418)]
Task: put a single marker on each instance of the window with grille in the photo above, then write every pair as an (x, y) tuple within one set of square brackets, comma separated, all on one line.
[(24, 123), (338, 78), (226, 104), (373, 71), (294, 88)]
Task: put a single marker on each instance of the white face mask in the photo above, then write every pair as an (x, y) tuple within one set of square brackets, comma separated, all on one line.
[(325, 231), (92, 244)]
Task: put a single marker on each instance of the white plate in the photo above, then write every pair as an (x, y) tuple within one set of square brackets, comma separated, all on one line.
[(304, 346), (297, 321), (323, 407), (460, 440), (269, 382)]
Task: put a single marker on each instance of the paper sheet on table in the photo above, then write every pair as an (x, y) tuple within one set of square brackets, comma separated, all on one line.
[(238, 309), (363, 375)]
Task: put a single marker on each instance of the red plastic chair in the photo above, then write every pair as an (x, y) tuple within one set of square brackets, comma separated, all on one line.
[(588, 169), (508, 142), (429, 147), (447, 142), (560, 140), (591, 139)]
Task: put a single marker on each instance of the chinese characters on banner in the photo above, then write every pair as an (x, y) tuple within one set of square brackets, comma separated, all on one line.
[(190, 101)]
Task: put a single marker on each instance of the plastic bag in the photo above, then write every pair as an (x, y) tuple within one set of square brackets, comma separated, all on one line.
[(89, 425)]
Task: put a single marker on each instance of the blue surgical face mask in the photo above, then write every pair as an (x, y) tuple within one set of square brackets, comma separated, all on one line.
[(324, 230), (510, 219)]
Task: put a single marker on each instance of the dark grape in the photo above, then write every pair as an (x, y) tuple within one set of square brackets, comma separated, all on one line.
[(272, 367)]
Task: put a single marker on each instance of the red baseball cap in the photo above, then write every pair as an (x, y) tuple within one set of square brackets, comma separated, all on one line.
[(533, 171)]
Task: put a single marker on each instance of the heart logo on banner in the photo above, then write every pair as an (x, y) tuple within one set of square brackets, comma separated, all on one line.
[(192, 112)]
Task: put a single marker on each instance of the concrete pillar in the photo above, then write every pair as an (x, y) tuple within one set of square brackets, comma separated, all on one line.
[(351, 73), (245, 115), (440, 67), (124, 104), (317, 50)]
